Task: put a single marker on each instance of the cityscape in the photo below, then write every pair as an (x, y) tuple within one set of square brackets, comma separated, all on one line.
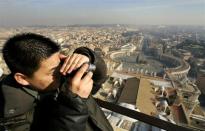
[(158, 70)]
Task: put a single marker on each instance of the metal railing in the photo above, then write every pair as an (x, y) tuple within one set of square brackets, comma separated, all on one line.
[(144, 117)]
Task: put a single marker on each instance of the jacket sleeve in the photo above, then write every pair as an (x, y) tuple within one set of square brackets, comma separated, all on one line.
[(68, 112), (100, 74), (73, 112)]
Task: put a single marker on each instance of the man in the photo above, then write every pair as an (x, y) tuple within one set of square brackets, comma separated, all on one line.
[(41, 95)]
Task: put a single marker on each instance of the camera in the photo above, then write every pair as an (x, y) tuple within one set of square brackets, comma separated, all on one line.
[(91, 68)]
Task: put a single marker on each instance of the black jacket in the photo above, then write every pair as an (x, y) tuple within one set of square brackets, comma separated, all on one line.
[(52, 111)]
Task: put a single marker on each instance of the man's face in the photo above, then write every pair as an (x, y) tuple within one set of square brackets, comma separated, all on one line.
[(47, 77)]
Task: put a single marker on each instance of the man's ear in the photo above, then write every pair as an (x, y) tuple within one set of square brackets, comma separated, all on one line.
[(21, 79)]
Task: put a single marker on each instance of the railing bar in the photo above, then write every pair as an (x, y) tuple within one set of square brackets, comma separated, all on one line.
[(143, 117)]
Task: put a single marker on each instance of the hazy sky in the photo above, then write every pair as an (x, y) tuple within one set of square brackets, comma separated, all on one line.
[(64, 12)]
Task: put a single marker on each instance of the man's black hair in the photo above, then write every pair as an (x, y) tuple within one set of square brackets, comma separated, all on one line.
[(24, 52)]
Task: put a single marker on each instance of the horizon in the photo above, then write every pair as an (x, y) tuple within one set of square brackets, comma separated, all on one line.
[(14, 13)]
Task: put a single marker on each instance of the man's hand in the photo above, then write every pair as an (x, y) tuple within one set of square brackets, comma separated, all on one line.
[(81, 85), (72, 62)]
